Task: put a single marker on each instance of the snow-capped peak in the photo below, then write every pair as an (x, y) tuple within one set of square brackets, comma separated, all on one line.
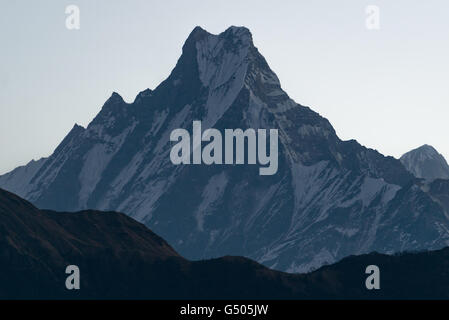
[(222, 57), (425, 162)]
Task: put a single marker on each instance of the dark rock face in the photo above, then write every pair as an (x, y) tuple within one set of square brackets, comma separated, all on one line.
[(425, 162), (328, 199)]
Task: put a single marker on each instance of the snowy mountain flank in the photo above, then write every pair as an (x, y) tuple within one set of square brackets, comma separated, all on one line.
[(329, 198), (425, 162)]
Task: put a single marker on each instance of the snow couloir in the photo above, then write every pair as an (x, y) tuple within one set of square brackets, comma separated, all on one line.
[(212, 153)]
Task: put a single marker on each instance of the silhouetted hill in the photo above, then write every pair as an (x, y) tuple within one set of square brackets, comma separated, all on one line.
[(120, 258)]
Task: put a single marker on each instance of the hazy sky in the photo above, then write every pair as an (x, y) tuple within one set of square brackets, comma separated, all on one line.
[(387, 88)]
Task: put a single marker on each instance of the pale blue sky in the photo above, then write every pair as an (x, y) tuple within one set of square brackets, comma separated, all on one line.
[(386, 88)]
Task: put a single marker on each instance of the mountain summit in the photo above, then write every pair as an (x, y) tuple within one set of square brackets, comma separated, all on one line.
[(329, 198), (425, 162)]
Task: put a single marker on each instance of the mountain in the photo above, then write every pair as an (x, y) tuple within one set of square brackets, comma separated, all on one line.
[(425, 162), (329, 198), (119, 258)]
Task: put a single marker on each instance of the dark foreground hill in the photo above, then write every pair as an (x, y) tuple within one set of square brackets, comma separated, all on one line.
[(120, 258)]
